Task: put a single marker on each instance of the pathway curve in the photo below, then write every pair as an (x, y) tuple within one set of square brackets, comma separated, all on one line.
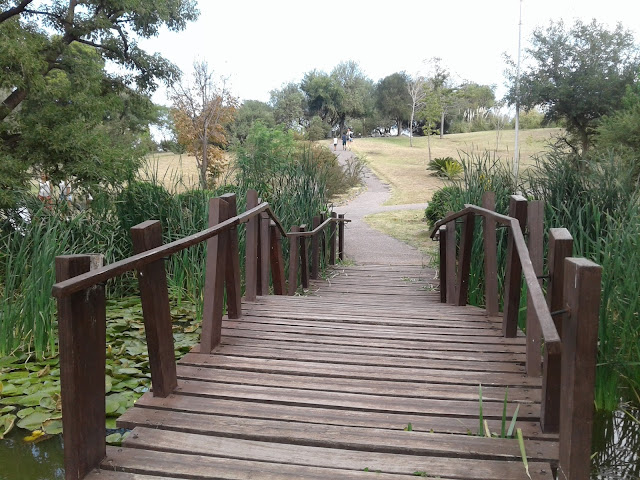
[(365, 245)]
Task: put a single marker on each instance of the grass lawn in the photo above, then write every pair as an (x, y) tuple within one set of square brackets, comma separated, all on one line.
[(408, 226), (404, 167)]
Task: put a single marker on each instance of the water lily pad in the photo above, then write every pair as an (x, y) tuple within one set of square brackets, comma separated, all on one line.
[(48, 403), (108, 383), (129, 371), (6, 424), (25, 412), (114, 439), (34, 421), (44, 371), (52, 427), (10, 360), (7, 409)]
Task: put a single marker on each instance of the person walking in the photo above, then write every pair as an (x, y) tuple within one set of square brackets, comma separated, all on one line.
[(44, 192), (335, 143), (344, 141)]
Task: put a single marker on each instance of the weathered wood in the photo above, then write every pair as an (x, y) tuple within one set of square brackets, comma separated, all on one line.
[(156, 311), (560, 248), (332, 240), (213, 297), (82, 345), (582, 284), (513, 281), (251, 250), (304, 260), (341, 237), (315, 249), (466, 243), (451, 262), (535, 220), (277, 261), (490, 256), (294, 260), (232, 272), (443, 263), (265, 252), (323, 240)]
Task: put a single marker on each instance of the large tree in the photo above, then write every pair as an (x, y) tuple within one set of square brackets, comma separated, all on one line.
[(288, 105), (577, 75), (324, 96), (356, 88), (393, 99)]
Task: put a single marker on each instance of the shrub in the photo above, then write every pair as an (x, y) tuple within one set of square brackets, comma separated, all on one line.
[(445, 167), (442, 202)]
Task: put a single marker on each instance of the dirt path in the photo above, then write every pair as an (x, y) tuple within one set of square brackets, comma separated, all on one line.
[(363, 244)]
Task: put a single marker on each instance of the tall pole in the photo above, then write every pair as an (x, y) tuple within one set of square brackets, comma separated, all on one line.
[(516, 150)]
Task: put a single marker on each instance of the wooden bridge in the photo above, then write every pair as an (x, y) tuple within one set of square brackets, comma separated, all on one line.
[(375, 374)]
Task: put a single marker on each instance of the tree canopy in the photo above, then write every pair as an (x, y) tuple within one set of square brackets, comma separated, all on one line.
[(393, 99), (577, 75)]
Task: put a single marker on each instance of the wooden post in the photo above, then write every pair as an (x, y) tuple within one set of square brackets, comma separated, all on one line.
[(304, 259), (451, 261), (466, 243), (323, 241), (315, 249), (82, 345), (560, 247), (582, 283), (214, 279), (535, 222), (513, 281), (341, 238), (232, 266), (442, 231), (332, 240), (251, 250), (154, 294), (490, 256), (294, 259), (265, 248), (277, 262)]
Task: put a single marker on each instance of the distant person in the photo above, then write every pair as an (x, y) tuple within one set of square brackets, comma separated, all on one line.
[(44, 192), (335, 143), (344, 141), (350, 138), (66, 192)]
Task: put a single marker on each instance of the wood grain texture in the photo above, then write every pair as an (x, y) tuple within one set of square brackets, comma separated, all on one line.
[(490, 255), (323, 386), (513, 281), (535, 226), (251, 250), (232, 278)]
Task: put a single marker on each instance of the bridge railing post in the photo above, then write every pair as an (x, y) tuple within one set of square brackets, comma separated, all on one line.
[(156, 311), (304, 259), (451, 261), (513, 281), (442, 237), (332, 240), (490, 256), (232, 266), (582, 284), (315, 249), (464, 266), (341, 237), (264, 254), (82, 345), (294, 260), (535, 240), (251, 250), (213, 297), (560, 247), (277, 261)]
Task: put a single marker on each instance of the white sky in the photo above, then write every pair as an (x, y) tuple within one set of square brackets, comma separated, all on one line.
[(262, 44)]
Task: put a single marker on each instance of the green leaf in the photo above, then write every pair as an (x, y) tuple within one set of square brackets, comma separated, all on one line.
[(34, 421), (52, 427), (6, 424), (48, 403), (523, 452), (512, 425), (25, 411)]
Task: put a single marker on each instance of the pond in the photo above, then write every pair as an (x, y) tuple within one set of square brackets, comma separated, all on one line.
[(616, 444)]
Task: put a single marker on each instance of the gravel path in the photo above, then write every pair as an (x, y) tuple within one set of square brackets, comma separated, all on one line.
[(363, 244)]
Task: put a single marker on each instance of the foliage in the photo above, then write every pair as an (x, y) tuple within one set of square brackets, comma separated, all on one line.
[(288, 106), (357, 89), (318, 130), (250, 112), (445, 167), (577, 75), (393, 99), (441, 203), (324, 95), (620, 129)]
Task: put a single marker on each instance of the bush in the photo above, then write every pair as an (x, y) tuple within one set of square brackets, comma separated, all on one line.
[(445, 167), (318, 130), (442, 202)]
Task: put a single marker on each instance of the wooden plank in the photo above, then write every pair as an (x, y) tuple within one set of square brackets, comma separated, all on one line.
[(154, 296), (535, 219), (582, 286), (251, 250), (82, 344), (179, 465), (513, 281), (490, 256)]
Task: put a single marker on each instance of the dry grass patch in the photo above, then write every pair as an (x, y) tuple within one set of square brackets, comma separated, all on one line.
[(404, 167), (408, 226)]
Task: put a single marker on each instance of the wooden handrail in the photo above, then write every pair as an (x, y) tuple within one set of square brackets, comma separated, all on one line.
[(136, 262), (319, 228), (549, 331)]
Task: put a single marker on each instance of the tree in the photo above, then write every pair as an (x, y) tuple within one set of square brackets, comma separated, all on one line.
[(417, 87), (201, 110), (30, 53), (392, 98), (621, 130), (577, 75), (443, 90), (288, 105), (430, 113), (250, 112), (356, 88), (324, 96)]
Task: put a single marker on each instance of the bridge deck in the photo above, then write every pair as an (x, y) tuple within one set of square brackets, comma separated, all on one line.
[(325, 387)]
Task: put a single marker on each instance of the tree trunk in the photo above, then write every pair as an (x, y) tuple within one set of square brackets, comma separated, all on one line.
[(429, 141), (413, 109), (584, 139), (399, 123), (442, 124), (203, 167)]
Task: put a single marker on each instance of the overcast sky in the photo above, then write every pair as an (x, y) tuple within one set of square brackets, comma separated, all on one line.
[(261, 44)]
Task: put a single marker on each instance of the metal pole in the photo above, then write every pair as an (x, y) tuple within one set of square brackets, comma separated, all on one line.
[(516, 152)]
